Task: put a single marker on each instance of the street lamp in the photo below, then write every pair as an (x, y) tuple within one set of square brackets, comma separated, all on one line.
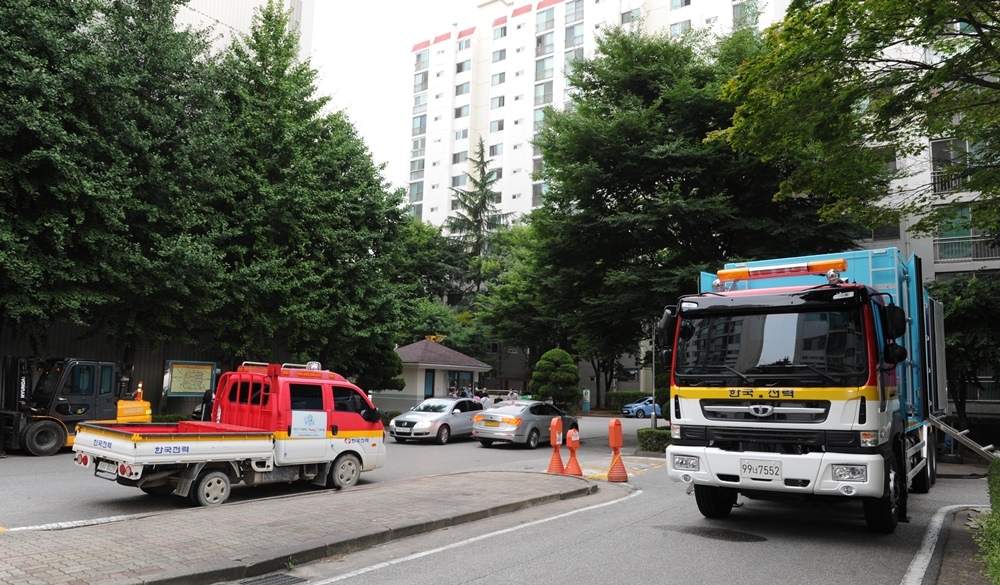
[(652, 364)]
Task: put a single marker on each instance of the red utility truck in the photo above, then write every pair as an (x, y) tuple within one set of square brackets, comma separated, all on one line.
[(270, 423)]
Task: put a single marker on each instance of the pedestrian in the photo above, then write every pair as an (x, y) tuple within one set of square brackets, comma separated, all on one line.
[(451, 392), (487, 400)]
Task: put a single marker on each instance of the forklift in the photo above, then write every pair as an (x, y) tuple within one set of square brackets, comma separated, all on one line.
[(41, 402)]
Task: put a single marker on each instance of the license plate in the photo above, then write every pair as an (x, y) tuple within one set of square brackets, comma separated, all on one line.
[(107, 467), (491, 423), (760, 469)]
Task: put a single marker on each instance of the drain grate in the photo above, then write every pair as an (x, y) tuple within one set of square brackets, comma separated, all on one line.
[(278, 579)]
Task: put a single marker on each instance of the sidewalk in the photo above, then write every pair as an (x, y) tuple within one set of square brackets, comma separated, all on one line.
[(247, 539)]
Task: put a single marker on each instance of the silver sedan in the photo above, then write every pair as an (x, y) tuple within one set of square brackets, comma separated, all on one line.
[(520, 421), (436, 419)]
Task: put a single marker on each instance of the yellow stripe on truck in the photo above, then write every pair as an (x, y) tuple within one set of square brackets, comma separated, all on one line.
[(787, 393)]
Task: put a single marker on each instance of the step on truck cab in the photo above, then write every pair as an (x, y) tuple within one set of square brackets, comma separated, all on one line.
[(270, 423), (807, 377)]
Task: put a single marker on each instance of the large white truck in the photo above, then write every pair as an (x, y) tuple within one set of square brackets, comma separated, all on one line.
[(807, 377)]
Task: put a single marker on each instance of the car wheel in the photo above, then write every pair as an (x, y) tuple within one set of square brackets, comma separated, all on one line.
[(345, 471), (486, 442), (400, 440), (444, 433), (533, 437), (640, 413), (210, 489)]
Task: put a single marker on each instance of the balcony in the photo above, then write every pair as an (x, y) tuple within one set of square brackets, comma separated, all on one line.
[(945, 182), (964, 249)]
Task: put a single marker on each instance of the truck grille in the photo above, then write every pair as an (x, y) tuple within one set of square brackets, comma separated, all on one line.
[(762, 411)]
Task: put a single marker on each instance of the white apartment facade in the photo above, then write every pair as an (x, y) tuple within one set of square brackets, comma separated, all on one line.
[(227, 18)]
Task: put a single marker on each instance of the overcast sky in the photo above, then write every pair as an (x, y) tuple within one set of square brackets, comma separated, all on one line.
[(363, 52)]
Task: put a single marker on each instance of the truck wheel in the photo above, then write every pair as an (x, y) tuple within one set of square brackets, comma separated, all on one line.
[(444, 433), (714, 502), (210, 489), (44, 438), (882, 514), (345, 471)]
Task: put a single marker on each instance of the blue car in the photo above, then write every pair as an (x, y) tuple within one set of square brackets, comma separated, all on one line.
[(641, 409)]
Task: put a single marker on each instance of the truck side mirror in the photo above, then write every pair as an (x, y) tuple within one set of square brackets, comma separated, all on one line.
[(666, 357), (893, 354), (370, 414), (667, 326), (895, 322)]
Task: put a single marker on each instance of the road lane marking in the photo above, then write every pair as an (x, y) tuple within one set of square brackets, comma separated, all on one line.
[(918, 566)]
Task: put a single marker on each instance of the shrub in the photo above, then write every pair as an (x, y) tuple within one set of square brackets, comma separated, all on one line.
[(616, 400), (171, 418), (988, 535), (654, 439), (557, 377)]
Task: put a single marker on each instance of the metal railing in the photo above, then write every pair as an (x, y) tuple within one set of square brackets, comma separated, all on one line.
[(964, 249)]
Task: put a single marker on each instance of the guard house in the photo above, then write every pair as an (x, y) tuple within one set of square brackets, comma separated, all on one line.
[(430, 369)]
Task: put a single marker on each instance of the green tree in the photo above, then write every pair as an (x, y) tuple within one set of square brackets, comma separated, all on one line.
[(971, 319), (313, 232), (477, 215), (556, 377), (430, 263), (845, 87), (639, 202)]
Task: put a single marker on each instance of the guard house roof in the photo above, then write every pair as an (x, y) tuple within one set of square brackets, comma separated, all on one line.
[(428, 353)]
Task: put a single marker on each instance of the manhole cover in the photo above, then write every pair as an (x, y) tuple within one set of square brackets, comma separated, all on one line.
[(278, 579)]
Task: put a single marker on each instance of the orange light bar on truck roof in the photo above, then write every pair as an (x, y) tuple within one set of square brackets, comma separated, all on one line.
[(815, 267)]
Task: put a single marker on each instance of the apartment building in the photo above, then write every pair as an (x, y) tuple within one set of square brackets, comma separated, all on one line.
[(229, 17)]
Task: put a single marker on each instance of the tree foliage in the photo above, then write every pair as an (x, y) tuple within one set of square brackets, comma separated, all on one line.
[(556, 377), (640, 202), (845, 87), (971, 320)]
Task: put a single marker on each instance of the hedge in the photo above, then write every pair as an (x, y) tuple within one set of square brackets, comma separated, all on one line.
[(988, 535), (654, 439)]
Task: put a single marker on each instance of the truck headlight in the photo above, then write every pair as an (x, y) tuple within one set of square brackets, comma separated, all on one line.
[(858, 473), (686, 463)]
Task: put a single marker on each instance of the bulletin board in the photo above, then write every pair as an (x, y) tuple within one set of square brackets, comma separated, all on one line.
[(183, 378)]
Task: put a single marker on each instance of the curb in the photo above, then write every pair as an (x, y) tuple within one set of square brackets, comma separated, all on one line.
[(278, 560)]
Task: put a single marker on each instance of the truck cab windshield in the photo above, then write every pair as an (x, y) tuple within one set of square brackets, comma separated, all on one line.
[(47, 384), (814, 348)]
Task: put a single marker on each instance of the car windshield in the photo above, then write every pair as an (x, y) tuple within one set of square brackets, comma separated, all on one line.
[(434, 406), (816, 348)]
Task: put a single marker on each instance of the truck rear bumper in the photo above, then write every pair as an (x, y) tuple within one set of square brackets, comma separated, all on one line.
[(804, 474)]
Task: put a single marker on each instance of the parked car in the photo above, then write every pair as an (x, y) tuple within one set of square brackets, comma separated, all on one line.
[(519, 421), (437, 419), (641, 408)]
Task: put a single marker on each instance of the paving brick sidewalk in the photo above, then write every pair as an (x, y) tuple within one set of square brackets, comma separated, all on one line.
[(238, 540)]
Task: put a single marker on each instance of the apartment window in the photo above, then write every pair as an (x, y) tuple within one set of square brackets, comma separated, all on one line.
[(743, 15), (420, 103), (515, 196), (416, 192), (496, 126), (420, 82), (679, 3), (630, 16), (571, 58), (545, 44), (543, 93), (435, 163), (464, 44), (459, 180), (537, 191), (500, 32), (539, 118), (536, 165), (495, 174), (461, 134), (945, 154), (679, 28), (454, 204), (461, 111), (417, 211), (544, 68), (496, 102), (419, 125), (418, 146), (463, 66), (416, 169), (498, 78), (496, 149), (460, 157), (545, 20), (423, 60), (499, 55), (463, 88), (574, 36), (574, 11)]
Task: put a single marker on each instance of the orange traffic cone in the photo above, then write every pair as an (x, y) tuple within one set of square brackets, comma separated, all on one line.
[(617, 472), (573, 466), (556, 464)]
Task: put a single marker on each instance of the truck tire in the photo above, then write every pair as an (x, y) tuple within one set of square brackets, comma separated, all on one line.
[(210, 489), (345, 471), (714, 502), (882, 514), (44, 438)]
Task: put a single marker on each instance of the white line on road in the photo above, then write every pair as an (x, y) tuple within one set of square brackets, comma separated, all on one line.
[(469, 541), (918, 566)]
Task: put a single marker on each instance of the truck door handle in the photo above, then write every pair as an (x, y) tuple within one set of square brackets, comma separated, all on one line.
[(334, 430)]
